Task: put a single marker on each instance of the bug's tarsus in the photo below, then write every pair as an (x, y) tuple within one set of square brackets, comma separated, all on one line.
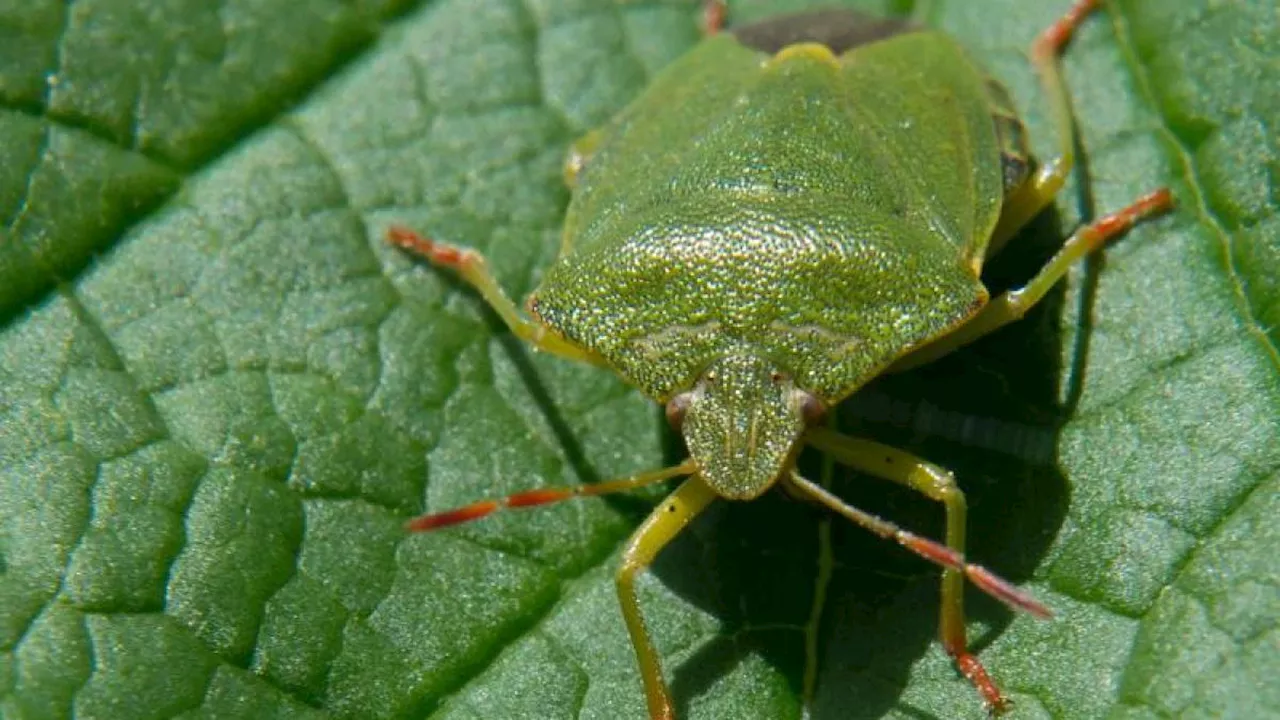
[(471, 267), (438, 253), (969, 666), (1121, 221), (714, 15), (1055, 37)]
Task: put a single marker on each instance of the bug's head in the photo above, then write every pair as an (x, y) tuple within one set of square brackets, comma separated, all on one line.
[(741, 421)]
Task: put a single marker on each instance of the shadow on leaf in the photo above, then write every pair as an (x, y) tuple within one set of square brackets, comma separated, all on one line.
[(991, 414)]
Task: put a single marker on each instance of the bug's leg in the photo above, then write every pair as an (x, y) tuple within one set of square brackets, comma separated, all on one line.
[(938, 484), (472, 267), (1014, 304), (1040, 189), (714, 15), (934, 482), (544, 496), (667, 520)]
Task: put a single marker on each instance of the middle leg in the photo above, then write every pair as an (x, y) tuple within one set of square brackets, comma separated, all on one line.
[(1014, 304)]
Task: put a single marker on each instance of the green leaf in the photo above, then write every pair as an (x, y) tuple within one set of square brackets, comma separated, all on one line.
[(221, 393)]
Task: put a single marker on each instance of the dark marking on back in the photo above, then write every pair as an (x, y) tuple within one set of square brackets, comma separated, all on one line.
[(1015, 154), (1014, 161), (839, 30), (1014, 170), (998, 96)]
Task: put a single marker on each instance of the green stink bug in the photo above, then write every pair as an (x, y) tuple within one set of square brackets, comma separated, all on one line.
[(749, 272)]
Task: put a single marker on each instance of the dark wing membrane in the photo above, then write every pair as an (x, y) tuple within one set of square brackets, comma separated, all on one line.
[(1015, 154), (839, 30)]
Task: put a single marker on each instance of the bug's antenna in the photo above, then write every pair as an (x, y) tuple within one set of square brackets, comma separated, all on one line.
[(543, 496), (934, 552)]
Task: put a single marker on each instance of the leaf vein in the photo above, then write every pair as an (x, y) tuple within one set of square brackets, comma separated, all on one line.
[(1205, 214)]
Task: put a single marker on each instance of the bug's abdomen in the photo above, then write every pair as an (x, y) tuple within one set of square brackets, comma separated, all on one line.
[(1015, 155)]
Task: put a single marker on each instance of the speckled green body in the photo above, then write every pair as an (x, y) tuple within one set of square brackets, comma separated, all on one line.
[(827, 217), (790, 209), (803, 217)]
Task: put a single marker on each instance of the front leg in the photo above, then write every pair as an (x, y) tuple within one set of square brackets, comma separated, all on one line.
[(663, 524)]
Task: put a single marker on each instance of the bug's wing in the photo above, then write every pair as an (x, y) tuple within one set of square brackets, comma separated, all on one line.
[(922, 99), (823, 210), (655, 138)]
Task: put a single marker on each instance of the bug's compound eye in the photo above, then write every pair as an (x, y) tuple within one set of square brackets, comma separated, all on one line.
[(677, 407), (776, 378), (812, 409)]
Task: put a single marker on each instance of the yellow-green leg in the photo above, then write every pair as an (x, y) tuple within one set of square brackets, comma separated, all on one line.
[(939, 484), (1014, 304), (924, 477), (667, 520), (1034, 195), (471, 266)]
